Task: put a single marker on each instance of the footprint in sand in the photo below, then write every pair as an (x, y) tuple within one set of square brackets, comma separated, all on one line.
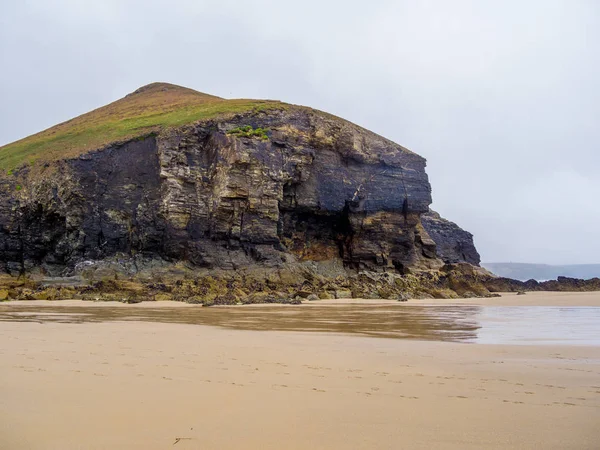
[(551, 386)]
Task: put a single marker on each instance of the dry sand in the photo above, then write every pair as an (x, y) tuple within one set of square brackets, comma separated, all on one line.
[(137, 385)]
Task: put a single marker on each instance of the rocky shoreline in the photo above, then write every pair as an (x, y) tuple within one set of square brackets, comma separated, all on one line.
[(286, 285)]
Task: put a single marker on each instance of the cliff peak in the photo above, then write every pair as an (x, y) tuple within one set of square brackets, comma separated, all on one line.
[(147, 110), (169, 89)]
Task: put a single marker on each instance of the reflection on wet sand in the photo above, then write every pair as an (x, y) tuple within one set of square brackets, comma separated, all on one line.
[(546, 325), (413, 322)]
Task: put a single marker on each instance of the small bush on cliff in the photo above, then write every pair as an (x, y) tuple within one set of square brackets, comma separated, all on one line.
[(249, 132)]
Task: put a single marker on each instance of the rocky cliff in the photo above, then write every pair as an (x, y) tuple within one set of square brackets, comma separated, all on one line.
[(244, 186), (453, 244)]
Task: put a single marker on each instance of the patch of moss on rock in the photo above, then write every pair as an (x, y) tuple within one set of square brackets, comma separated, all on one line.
[(249, 132)]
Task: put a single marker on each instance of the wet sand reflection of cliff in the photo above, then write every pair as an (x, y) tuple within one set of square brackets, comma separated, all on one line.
[(392, 321)]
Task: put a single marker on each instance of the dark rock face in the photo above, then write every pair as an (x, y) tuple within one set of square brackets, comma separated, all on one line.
[(319, 189), (453, 244)]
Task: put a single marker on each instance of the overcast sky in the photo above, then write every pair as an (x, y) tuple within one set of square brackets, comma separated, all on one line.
[(502, 97)]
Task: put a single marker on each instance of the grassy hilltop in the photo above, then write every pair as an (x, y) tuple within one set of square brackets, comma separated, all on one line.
[(148, 109)]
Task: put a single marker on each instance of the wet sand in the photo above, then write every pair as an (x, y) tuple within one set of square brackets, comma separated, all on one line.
[(119, 384), (529, 299)]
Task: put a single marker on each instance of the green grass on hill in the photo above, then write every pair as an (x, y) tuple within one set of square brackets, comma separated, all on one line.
[(149, 109)]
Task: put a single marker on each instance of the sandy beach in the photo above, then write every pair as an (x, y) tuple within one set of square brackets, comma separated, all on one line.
[(150, 385)]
